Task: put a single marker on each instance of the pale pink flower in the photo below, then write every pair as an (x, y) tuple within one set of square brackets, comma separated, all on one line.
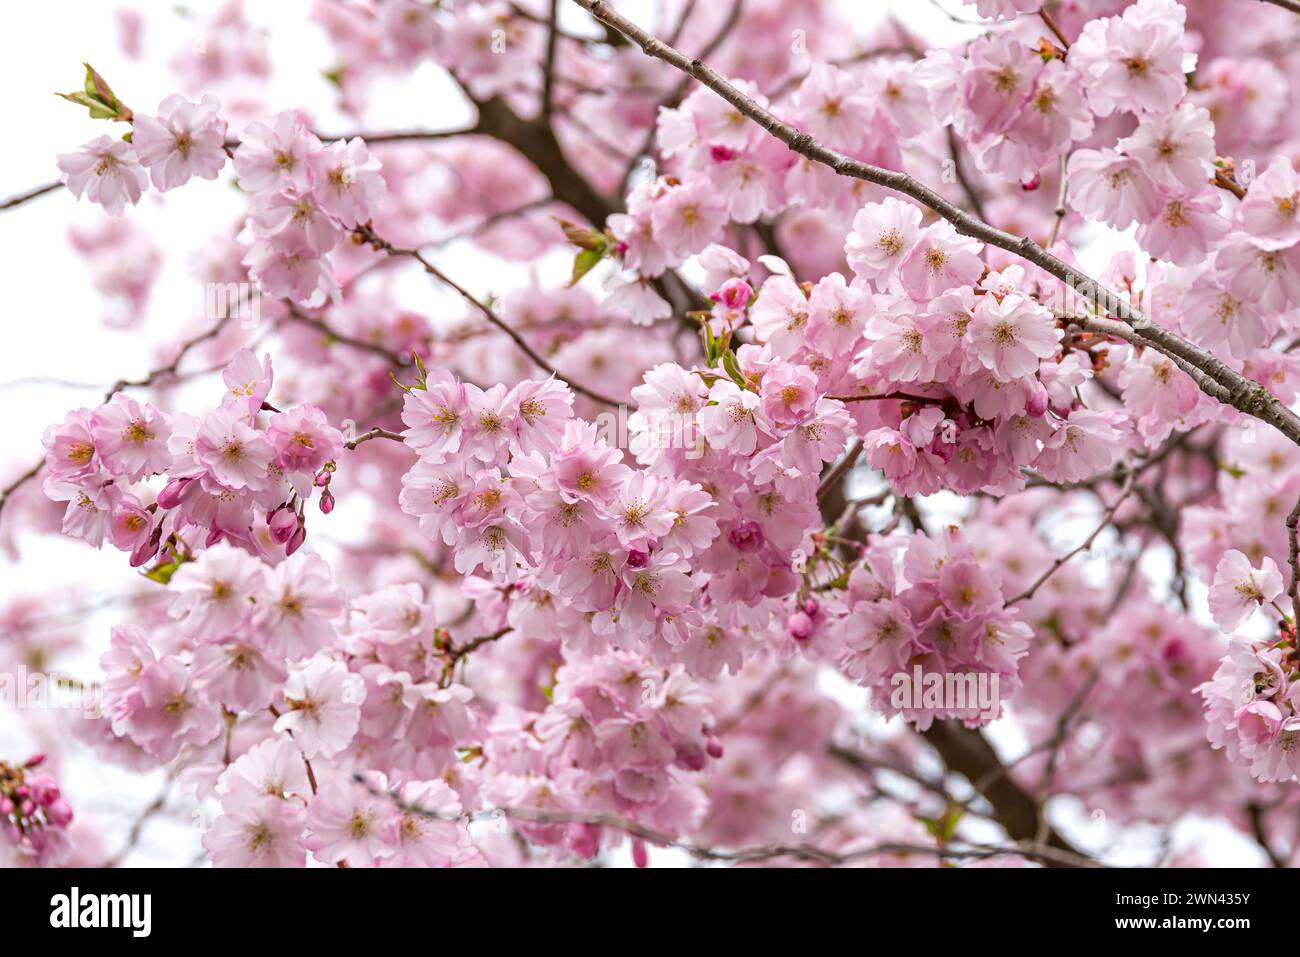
[(105, 171), (345, 180), (303, 439), (323, 701), (734, 419), (1271, 210), (1010, 337), (131, 437), (1239, 588), (1112, 188), (184, 140), (274, 157), (883, 233), (1086, 444), (940, 260), (1186, 229), (346, 822), (234, 453), (780, 315), (264, 832), (212, 594), (297, 605), (689, 217)]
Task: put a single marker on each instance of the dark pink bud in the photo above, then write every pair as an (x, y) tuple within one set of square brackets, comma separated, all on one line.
[(59, 813), (43, 789), (639, 856), (587, 841), (296, 541), (1031, 185), (323, 478), (35, 761), (145, 550), (637, 559), (734, 294), (326, 501), (810, 607), (722, 154), (746, 536), (1036, 403), (800, 626), (714, 747), (282, 525), (172, 492)]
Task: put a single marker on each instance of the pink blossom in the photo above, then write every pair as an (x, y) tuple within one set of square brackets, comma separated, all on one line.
[(185, 139), (345, 181), (323, 701), (105, 171), (1239, 589)]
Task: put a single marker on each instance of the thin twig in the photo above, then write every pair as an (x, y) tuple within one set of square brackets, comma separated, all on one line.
[(1082, 546)]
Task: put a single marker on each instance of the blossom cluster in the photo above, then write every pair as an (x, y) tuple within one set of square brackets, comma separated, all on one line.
[(233, 474), (33, 814)]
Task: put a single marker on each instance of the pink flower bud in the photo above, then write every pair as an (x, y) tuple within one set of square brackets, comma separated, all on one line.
[(145, 550), (327, 501), (1036, 403), (637, 559), (35, 761), (800, 626), (172, 492), (59, 813), (283, 523), (734, 294), (722, 154), (639, 856), (296, 541), (323, 478), (714, 747), (1031, 185), (586, 841)]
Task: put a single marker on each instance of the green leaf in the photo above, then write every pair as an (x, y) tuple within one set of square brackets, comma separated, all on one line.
[(733, 369), (584, 237), (162, 572), (585, 262), (98, 97)]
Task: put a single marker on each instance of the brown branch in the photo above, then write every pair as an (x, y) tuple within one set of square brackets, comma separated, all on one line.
[(378, 242), (1054, 27), (31, 194), (1292, 5), (840, 469), (1256, 814), (744, 855), (1082, 546), (335, 336), (375, 433), (967, 752), (1293, 559)]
